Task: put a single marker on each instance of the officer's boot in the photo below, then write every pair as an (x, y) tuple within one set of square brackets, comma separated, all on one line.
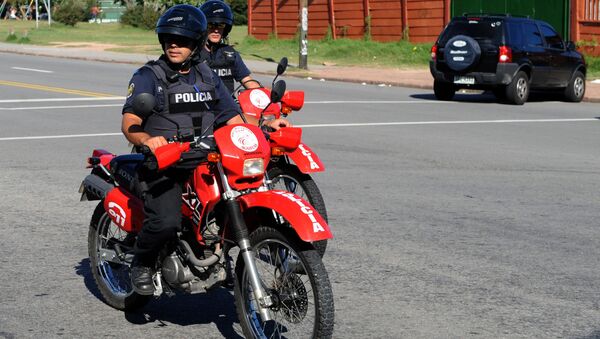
[(141, 275)]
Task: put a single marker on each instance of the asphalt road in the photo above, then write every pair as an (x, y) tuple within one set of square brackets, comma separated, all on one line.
[(468, 219)]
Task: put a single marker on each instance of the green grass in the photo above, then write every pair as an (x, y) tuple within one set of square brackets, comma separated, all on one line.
[(343, 52), (340, 52), (129, 39)]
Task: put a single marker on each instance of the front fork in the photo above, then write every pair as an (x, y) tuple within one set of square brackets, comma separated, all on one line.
[(240, 231)]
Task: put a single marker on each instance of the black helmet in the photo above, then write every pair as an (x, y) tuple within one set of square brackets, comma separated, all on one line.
[(183, 20), (216, 11)]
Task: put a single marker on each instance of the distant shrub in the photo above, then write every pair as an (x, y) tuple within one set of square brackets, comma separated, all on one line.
[(140, 16), (70, 12), (240, 10)]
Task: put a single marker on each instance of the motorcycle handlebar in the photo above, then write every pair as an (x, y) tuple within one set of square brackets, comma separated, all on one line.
[(170, 154)]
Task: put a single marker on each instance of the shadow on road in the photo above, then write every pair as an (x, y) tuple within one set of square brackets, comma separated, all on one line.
[(216, 307), (83, 269), (593, 335), (488, 97)]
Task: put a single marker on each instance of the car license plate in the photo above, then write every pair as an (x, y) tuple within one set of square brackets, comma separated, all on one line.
[(464, 80)]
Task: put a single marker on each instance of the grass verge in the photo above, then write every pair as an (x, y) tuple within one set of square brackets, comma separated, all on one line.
[(343, 52)]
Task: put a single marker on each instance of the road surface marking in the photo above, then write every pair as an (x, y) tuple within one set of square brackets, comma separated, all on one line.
[(52, 89), (59, 99), (63, 136), (334, 125), (57, 107), (379, 102), (446, 122), (123, 98), (31, 70)]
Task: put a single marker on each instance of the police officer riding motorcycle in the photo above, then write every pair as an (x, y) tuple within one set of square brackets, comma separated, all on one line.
[(190, 101)]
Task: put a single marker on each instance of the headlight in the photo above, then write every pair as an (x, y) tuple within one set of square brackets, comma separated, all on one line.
[(253, 167)]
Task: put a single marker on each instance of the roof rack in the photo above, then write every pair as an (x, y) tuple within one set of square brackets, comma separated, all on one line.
[(505, 15)]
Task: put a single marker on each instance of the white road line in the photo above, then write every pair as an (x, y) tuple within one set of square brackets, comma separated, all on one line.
[(122, 98), (379, 102), (32, 70), (335, 125), (446, 122), (56, 107), (62, 136), (59, 99)]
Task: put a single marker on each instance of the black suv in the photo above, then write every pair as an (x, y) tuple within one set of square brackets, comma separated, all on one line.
[(507, 55)]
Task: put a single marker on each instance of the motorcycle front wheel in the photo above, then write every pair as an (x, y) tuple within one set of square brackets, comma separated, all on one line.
[(292, 273), (289, 178), (113, 279)]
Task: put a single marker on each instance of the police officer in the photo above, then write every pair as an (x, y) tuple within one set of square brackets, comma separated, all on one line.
[(192, 96), (222, 58)]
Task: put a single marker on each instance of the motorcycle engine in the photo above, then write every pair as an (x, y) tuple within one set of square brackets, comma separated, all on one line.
[(174, 272)]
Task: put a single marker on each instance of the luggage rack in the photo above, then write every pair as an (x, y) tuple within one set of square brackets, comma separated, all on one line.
[(503, 15)]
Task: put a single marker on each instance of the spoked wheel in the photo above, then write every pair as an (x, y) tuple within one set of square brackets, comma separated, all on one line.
[(292, 273), (112, 278), (289, 178)]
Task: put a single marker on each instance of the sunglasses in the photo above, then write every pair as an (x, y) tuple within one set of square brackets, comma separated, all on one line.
[(178, 40), (213, 25)]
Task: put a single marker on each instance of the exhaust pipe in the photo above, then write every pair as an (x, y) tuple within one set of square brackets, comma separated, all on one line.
[(190, 257)]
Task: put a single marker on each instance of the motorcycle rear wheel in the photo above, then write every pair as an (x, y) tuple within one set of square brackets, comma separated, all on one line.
[(113, 280), (288, 177), (292, 272)]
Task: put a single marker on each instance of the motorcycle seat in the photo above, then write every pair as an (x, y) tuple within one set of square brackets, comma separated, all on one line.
[(125, 171)]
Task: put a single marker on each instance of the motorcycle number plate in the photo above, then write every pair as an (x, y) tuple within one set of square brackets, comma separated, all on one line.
[(464, 80)]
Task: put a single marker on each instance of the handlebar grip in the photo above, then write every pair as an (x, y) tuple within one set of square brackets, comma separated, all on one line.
[(145, 150)]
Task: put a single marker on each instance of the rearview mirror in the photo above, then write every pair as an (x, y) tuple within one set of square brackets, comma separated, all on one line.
[(143, 104), (570, 46), (282, 66), (277, 91)]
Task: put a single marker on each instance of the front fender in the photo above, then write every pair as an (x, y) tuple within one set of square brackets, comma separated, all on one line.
[(306, 160), (304, 219)]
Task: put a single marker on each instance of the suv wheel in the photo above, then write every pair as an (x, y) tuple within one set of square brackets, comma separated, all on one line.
[(517, 91), (443, 90), (576, 88)]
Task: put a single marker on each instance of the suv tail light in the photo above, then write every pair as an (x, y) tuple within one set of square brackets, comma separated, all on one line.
[(505, 54), (433, 51)]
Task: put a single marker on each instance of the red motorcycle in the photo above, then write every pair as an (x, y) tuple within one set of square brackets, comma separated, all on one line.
[(281, 287), (289, 168)]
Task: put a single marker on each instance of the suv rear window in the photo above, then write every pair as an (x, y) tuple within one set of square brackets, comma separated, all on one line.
[(476, 28)]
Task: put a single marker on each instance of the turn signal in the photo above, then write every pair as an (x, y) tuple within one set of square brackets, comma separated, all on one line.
[(286, 110), (277, 151), (505, 54), (433, 52), (213, 157)]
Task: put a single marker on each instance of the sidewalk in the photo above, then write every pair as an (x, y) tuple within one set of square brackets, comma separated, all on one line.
[(415, 78)]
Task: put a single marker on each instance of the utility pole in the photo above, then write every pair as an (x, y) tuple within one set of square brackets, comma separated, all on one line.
[(302, 63)]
